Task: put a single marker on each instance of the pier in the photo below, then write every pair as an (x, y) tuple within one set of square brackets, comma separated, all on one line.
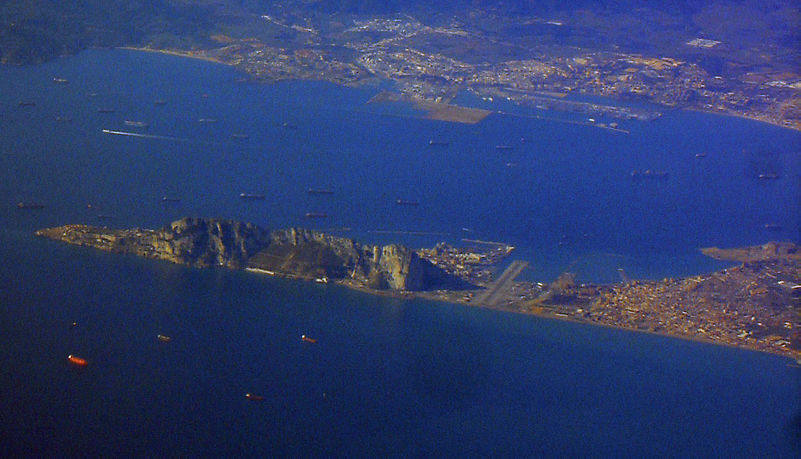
[(499, 289)]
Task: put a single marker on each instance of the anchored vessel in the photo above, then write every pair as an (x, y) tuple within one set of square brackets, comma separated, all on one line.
[(78, 361), (29, 205), (251, 196), (320, 191), (404, 202)]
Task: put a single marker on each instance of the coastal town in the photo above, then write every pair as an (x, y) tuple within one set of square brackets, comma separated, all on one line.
[(437, 63)]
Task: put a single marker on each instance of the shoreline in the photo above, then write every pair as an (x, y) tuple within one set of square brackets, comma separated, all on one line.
[(432, 296), (201, 55), (743, 306), (177, 53), (742, 116)]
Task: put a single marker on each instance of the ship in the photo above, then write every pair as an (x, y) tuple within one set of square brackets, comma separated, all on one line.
[(438, 143), (404, 202), (289, 126), (700, 155), (768, 176), (105, 110), (306, 339), (169, 199), (503, 147), (251, 196), (160, 102), (29, 205), (253, 397), (772, 227), (240, 136), (63, 119), (60, 80), (78, 361), (139, 124), (26, 103), (648, 173), (319, 191), (316, 215), (207, 120), (163, 338)]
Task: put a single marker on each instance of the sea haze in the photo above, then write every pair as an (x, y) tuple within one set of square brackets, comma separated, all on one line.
[(386, 376)]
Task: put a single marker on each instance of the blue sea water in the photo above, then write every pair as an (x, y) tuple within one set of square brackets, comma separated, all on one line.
[(386, 376)]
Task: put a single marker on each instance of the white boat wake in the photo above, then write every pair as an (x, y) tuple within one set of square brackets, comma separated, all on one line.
[(144, 136)]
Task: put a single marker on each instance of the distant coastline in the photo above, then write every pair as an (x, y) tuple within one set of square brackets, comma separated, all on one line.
[(198, 55), (442, 111)]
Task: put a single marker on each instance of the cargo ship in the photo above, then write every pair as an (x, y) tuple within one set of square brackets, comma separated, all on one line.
[(207, 120), (60, 80), (78, 361), (169, 199), (438, 143), (319, 191), (316, 215), (251, 196), (29, 205), (163, 338), (648, 173), (503, 147)]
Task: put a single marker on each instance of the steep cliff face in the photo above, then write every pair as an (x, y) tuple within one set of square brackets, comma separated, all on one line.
[(297, 252), (314, 254), (208, 242)]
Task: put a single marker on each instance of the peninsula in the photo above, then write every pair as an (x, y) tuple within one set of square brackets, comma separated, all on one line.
[(754, 305)]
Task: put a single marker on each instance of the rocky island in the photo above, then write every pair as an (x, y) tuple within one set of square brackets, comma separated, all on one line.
[(754, 305)]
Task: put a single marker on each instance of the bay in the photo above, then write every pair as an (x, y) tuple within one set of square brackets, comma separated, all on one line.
[(386, 376)]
